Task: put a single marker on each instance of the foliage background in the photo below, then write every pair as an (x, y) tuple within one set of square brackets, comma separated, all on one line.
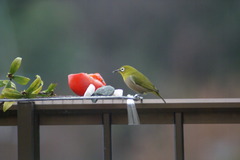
[(189, 49)]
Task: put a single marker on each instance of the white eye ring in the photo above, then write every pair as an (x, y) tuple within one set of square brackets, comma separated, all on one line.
[(122, 69)]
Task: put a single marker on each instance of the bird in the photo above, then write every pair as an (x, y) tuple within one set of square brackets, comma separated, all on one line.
[(137, 81)]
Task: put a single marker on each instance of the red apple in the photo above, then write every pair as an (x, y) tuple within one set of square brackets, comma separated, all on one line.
[(79, 82)]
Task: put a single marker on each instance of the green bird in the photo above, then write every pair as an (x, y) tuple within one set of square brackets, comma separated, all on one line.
[(136, 81)]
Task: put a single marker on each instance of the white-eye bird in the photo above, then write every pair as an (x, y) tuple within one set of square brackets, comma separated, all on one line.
[(136, 81)]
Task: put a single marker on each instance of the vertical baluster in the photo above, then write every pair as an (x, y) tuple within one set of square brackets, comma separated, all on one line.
[(179, 136), (28, 132), (107, 135)]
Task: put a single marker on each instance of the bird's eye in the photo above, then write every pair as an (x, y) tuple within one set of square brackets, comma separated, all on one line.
[(122, 69)]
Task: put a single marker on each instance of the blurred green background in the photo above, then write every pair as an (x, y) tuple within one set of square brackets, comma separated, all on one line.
[(189, 49)]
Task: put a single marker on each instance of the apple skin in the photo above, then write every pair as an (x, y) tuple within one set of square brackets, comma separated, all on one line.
[(79, 82)]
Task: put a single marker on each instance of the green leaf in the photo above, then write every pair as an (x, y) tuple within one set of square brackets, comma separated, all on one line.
[(50, 88), (15, 65), (2, 84), (11, 93), (38, 89), (9, 84), (13, 85), (7, 105), (21, 79), (1, 96), (35, 85)]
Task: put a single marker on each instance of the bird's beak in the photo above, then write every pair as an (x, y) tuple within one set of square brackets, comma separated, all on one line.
[(117, 70)]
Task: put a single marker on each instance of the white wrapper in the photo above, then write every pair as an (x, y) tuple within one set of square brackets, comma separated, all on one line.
[(133, 118), (118, 92), (90, 90)]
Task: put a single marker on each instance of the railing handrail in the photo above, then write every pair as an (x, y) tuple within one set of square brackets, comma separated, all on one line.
[(151, 111), (28, 116)]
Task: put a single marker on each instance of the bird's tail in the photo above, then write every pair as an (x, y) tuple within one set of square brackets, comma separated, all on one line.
[(157, 93)]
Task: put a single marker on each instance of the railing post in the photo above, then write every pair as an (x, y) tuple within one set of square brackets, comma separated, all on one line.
[(28, 132), (179, 136), (107, 135)]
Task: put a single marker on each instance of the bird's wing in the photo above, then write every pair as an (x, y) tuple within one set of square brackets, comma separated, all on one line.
[(143, 82)]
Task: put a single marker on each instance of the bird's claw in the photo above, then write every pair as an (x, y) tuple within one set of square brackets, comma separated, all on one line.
[(138, 97)]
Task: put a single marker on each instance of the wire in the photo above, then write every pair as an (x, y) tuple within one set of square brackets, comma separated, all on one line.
[(70, 98)]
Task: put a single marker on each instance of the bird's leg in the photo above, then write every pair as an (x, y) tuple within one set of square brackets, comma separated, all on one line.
[(138, 97)]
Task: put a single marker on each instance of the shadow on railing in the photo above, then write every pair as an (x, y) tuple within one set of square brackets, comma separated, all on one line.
[(28, 116)]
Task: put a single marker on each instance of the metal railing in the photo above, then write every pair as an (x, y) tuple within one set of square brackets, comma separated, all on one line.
[(28, 116)]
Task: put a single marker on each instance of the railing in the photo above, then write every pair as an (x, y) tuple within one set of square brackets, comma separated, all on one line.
[(28, 116)]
